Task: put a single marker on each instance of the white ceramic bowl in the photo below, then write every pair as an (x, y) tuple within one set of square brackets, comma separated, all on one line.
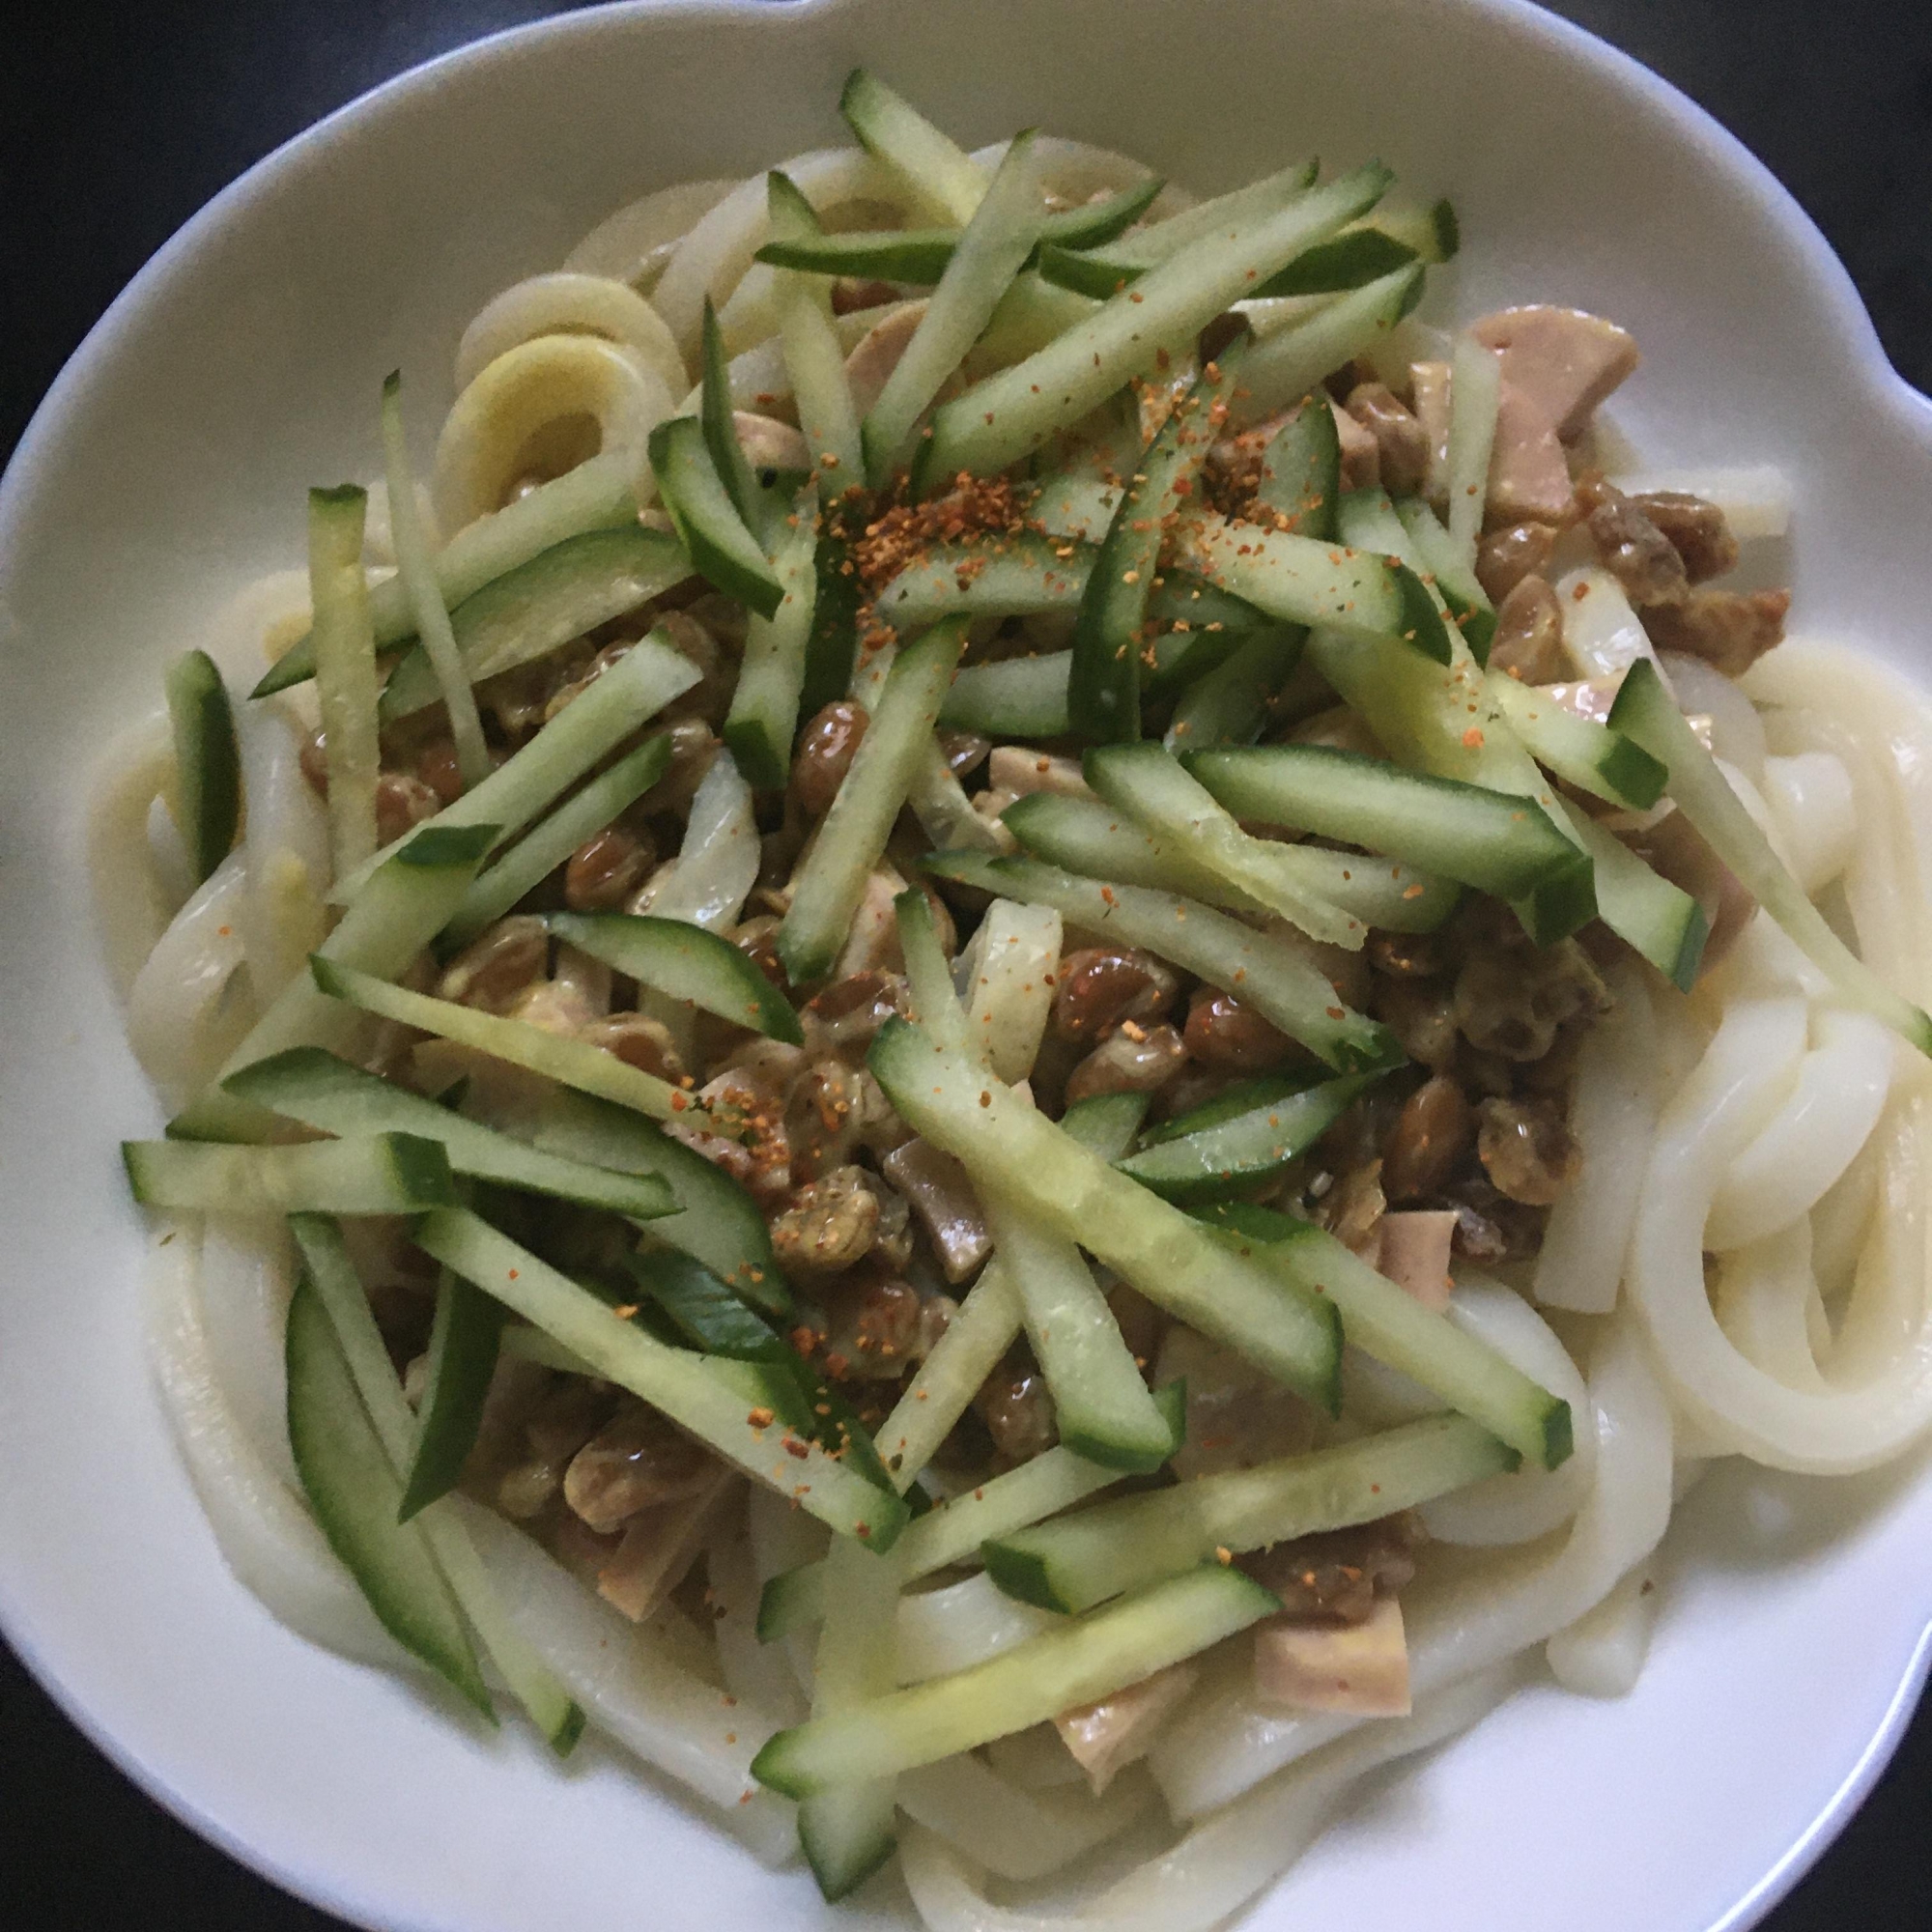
[(167, 466)]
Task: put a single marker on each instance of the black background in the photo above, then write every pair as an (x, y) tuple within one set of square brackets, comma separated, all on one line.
[(116, 123)]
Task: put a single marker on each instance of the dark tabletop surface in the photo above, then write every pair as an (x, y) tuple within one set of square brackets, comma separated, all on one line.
[(116, 123)]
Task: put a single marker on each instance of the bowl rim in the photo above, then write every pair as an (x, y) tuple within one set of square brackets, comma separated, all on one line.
[(175, 258)]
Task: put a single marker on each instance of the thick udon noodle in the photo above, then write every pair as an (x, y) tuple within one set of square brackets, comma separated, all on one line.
[(1749, 1119)]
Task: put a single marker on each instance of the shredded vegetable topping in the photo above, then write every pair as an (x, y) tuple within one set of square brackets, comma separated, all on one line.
[(1024, 1025)]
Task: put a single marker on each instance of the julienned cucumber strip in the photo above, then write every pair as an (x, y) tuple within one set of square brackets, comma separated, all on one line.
[(721, 430), (1293, 360), (380, 1173), (1279, 985), (1015, 577), (1645, 711), (573, 1062), (1437, 556), (1106, 1125), (672, 956), (937, 170), (1145, 782), (833, 647), (632, 692), (1082, 1560), (560, 594), (1298, 579), (664, 1378), (714, 534), (1217, 1160), (853, 831), (208, 768), (1475, 388), (1229, 703), (1010, 415), (437, 643), (1397, 1330), (464, 1340), (353, 1490), (1018, 697), (1422, 715), (764, 716), (920, 255), (935, 1001), (1496, 842), (1103, 694), (1013, 1150), (330, 1272), (1301, 472), (703, 1310), (1662, 921), (1033, 1682), (847, 1831), (718, 1223), (1225, 214), (312, 1086), (944, 1385), (992, 250), (345, 670), (1347, 261), (404, 906), (595, 496), (814, 354), (953, 1532), (1102, 1406), (549, 844), (1020, 575), (1592, 756)]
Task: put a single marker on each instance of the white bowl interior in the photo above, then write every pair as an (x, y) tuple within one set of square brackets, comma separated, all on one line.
[(169, 466)]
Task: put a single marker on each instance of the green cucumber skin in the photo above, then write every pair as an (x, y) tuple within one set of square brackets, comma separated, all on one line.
[(1302, 483), (315, 1086), (1103, 692), (541, 606), (846, 1836), (721, 430), (1068, 1564), (687, 962), (703, 1309), (1648, 714), (353, 1490), (886, 125), (1503, 844), (1106, 1123), (833, 648), (1085, 1661), (1301, 472), (1378, 1317), (464, 1343), (920, 255), (1205, 1163), (208, 766), (715, 536), (384, 1173), (710, 1406), (719, 1224)]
